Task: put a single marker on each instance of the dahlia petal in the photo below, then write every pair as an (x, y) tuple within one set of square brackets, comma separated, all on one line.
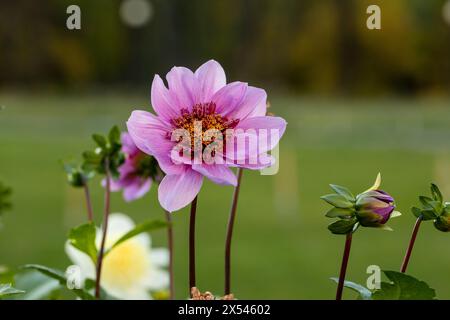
[(162, 101), (183, 87), (137, 189), (274, 126), (211, 78), (160, 257), (119, 224), (263, 161), (156, 279), (254, 104), (148, 133), (168, 166), (82, 260), (128, 145), (217, 173), (229, 97), (177, 191)]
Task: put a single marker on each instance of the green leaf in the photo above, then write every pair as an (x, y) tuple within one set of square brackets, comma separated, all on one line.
[(437, 195), (83, 238), (92, 157), (343, 191), (114, 135), (364, 293), (337, 201), (61, 277), (6, 290), (140, 228), (403, 287), (442, 223), (340, 213), (5, 193), (425, 201), (428, 214), (342, 226), (49, 272), (416, 212), (37, 285), (100, 140)]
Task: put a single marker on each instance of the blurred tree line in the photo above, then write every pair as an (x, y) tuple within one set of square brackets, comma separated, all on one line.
[(301, 45)]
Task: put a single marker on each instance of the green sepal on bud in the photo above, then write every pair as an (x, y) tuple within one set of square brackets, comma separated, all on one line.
[(434, 208), (108, 150), (344, 226), (5, 195), (371, 208)]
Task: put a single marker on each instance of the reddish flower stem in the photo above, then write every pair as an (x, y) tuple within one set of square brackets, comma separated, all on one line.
[(170, 245), (192, 245), (230, 233), (87, 195), (346, 256), (105, 230), (411, 245)]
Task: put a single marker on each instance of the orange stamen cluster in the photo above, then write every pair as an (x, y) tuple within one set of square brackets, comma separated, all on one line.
[(206, 114)]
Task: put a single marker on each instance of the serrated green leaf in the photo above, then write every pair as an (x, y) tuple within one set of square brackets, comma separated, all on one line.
[(416, 211), (342, 226), (7, 290), (425, 201), (100, 140), (343, 191), (403, 287), (337, 201), (83, 238), (5, 193), (61, 277), (436, 193), (364, 293), (92, 157), (114, 135), (428, 214), (340, 213), (140, 228)]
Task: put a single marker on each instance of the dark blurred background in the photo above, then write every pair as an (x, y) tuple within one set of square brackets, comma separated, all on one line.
[(302, 46), (357, 102)]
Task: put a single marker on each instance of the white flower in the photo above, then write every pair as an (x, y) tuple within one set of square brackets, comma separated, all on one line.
[(131, 269)]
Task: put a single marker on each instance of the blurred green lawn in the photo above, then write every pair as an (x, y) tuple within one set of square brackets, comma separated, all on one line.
[(281, 247)]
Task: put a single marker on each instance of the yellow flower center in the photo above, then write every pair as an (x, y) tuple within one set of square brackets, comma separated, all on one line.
[(205, 114), (126, 265)]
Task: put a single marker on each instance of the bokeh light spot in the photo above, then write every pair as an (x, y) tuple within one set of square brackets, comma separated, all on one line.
[(446, 12), (136, 13)]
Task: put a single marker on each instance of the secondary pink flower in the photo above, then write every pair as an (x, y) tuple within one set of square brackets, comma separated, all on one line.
[(204, 96), (136, 173)]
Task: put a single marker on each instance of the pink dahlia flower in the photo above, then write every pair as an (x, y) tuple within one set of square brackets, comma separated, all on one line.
[(136, 173), (236, 110)]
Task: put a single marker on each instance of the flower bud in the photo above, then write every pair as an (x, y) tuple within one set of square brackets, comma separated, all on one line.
[(374, 208), (442, 223)]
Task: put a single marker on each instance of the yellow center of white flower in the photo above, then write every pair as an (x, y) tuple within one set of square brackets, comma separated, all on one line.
[(126, 265)]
